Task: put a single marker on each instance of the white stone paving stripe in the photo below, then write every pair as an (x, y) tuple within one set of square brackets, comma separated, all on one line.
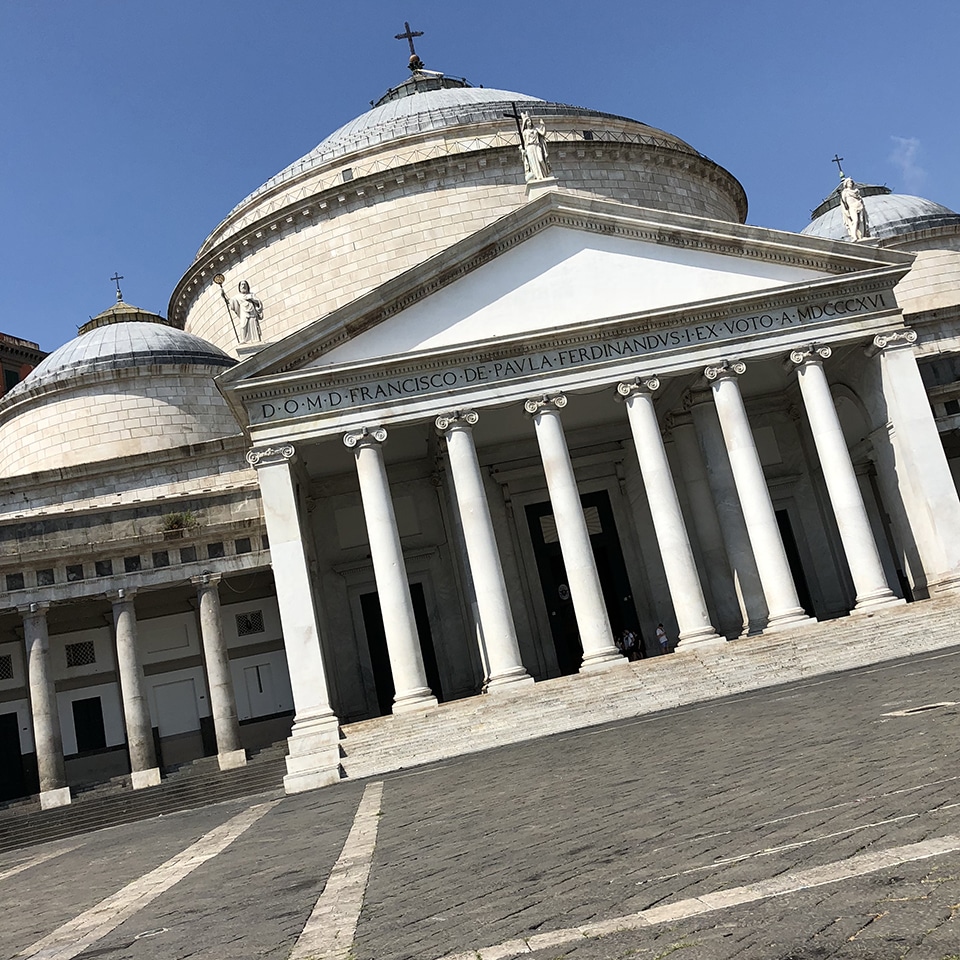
[(328, 933), (35, 861), (735, 896), (92, 925)]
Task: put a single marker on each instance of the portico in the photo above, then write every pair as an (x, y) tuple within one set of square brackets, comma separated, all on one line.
[(522, 385)]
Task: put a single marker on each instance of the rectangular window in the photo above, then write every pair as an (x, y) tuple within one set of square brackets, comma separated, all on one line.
[(188, 554), (14, 581), (6, 667), (248, 623), (215, 551), (81, 654), (587, 134), (161, 559), (131, 564), (10, 379), (952, 407), (243, 545), (45, 578), (74, 572), (104, 568), (347, 174)]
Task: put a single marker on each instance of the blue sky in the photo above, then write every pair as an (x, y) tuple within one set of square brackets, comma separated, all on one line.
[(129, 129)]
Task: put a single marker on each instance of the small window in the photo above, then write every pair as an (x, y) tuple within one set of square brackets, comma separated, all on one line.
[(188, 554), (243, 545), (104, 568), (265, 540), (347, 174), (248, 623), (81, 654), (14, 581), (131, 564), (952, 407), (161, 559), (45, 578), (10, 379), (215, 551), (6, 667), (587, 134), (74, 572)]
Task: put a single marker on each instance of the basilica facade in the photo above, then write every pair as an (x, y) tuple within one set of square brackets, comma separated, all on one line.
[(442, 410)]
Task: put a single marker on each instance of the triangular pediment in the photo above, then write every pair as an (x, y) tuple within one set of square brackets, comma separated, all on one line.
[(555, 263)]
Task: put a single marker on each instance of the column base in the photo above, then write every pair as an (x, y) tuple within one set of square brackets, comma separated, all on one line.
[(145, 778), (506, 682), (877, 601), (413, 702), (789, 620), (603, 661), (59, 797), (944, 584), (698, 640), (232, 759), (314, 754)]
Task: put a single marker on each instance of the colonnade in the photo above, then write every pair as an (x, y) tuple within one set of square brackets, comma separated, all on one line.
[(734, 477), (144, 769)]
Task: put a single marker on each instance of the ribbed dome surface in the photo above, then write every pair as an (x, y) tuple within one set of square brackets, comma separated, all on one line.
[(121, 345), (426, 111), (889, 215)]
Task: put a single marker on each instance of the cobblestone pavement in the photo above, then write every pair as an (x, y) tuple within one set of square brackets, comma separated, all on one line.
[(666, 818)]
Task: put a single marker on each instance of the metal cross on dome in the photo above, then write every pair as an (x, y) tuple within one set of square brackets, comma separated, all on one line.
[(408, 35), (838, 160), (116, 278)]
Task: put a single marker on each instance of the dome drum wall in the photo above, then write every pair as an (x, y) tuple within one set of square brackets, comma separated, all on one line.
[(327, 250), (106, 415), (933, 282)]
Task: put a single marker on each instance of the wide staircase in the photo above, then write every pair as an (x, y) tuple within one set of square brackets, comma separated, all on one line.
[(518, 713)]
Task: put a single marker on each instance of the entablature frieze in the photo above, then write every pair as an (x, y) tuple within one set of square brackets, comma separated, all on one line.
[(318, 402)]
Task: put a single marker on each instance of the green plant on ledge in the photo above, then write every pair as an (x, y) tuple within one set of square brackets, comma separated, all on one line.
[(179, 521)]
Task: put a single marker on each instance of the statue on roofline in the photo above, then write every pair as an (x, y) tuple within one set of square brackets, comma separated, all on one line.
[(854, 211)]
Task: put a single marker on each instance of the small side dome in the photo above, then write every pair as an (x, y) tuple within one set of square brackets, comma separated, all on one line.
[(130, 383), (889, 214)]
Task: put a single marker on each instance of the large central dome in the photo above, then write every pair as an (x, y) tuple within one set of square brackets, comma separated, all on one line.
[(433, 161)]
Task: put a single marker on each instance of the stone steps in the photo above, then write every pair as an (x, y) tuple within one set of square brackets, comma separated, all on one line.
[(377, 746), (185, 788)]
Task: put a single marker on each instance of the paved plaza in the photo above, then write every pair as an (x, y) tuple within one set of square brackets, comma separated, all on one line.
[(816, 820)]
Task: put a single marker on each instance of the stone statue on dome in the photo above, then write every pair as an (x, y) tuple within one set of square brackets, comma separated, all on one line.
[(249, 312), (854, 211), (534, 149)]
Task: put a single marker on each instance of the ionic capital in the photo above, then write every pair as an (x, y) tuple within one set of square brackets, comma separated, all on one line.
[(641, 385), (725, 370), (270, 456), (536, 405), (811, 353), (891, 341), (456, 419), (365, 437)]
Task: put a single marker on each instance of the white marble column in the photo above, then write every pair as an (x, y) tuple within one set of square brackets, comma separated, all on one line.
[(313, 758), (48, 741), (720, 583), (926, 485), (496, 621), (144, 771), (223, 703), (679, 564), (860, 548), (399, 624), (736, 540), (584, 582), (778, 587)]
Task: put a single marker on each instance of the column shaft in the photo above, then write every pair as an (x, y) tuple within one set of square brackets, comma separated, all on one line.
[(860, 548), (223, 704), (314, 747), (399, 623), (490, 588), (144, 771), (48, 740), (584, 582), (758, 513), (676, 553)]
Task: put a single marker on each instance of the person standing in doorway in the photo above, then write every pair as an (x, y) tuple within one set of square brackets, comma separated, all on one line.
[(662, 639)]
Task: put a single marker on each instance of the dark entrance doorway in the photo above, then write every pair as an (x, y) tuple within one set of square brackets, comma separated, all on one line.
[(88, 723), (553, 575), (377, 643), (12, 782), (793, 558)]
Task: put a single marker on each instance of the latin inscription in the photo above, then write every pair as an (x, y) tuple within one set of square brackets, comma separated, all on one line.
[(384, 390)]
